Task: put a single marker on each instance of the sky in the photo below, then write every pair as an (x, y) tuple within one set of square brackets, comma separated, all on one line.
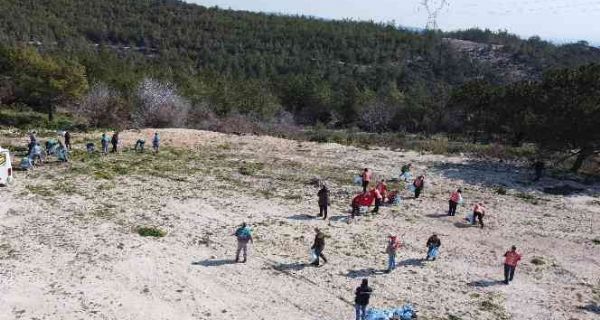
[(554, 20)]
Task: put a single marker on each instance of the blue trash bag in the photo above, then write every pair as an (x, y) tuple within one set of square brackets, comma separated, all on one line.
[(411, 188), (433, 252), (376, 314), (397, 200), (405, 313), (357, 180), (62, 154), (26, 163)]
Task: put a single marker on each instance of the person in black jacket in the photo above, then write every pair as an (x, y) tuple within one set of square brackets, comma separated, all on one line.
[(115, 142), (318, 246), (433, 246), (68, 140), (323, 195), (361, 301)]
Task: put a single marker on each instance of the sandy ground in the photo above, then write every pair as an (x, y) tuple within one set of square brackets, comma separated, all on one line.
[(76, 255)]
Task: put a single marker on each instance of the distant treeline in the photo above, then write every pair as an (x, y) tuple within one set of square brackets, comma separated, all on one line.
[(168, 63)]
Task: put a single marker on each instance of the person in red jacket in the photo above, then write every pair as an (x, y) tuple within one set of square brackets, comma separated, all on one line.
[(382, 188), (455, 199), (364, 199), (511, 259)]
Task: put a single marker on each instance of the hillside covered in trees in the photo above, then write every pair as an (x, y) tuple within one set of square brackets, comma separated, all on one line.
[(169, 63)]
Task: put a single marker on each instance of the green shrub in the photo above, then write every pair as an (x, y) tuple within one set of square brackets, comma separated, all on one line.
[(250, 169), (151, 232), (538, 261)]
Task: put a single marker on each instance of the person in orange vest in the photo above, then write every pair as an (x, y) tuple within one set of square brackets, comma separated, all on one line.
[(378, 199), (511, 259), (455, 199), (419, 183), (478, 212), (366, 178)]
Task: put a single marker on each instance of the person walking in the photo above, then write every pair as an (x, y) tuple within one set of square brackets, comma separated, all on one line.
[(361, 300), (478, 213), (115, 141), (243, 235), (511, 259), (433, 247), (318, 247), (378, 199), (68, 140), (156, 142), (366, 178), (455, 199), (392, 247), (418, 184), (323, 195), (104, 142)]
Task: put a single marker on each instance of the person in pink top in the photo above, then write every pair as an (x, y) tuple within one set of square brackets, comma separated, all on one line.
[(455, 199), (511, 259), (478, 212), (378, 199)]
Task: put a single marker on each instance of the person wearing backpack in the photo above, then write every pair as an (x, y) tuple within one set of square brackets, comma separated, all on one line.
[(243, 235), (455, 199), (419, 183), (511, 259), (323, 195), (391, 249), (361, 299)]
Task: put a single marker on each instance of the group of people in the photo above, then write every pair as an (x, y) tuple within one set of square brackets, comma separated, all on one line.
[(377, 195), (36, 155), (105, 142)]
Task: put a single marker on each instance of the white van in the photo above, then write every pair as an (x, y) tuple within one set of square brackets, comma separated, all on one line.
[(6, 170)]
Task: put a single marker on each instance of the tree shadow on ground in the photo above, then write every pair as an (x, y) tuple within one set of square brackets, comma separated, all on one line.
[(364, 273), (484, 283), (487, 173), (411, 263), (339, 218), (464, 225), (296, 266), (591, 307), (302, 217), (213, 262), (437, 215)]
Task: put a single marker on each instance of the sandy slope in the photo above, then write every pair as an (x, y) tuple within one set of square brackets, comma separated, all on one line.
[(75, 256)]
